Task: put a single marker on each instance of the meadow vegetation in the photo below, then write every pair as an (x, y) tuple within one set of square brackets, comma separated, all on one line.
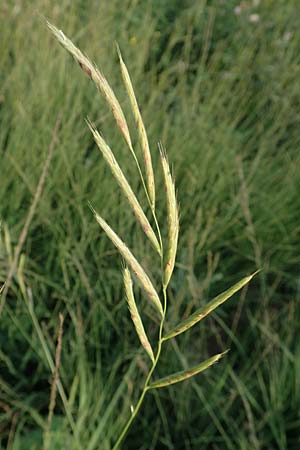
[(218, 84)]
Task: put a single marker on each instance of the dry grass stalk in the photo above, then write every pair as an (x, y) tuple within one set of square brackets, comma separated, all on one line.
[(136, 318), (54, 383), (36, 198), (173, 219), (137, 269), (94, 74), (121, 179), (141, 130)]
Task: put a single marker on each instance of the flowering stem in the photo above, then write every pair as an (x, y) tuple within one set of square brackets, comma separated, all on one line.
[(147, 381)]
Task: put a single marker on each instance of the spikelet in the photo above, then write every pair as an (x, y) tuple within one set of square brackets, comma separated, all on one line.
[(208, 308), (173, 218), (135, 266), (141, 130), (185, 374), (121, 179), (94, 74), (136, 318)]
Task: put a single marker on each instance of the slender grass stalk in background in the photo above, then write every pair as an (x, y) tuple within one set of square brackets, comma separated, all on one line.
[(54, 383), (32, 210), (166, 251)]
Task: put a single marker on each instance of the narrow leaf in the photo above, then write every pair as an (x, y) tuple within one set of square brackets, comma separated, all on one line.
[(136, 318), (207, 309), (173, 219), (141, 130), (125, 186), (135, 266), (185, 374)]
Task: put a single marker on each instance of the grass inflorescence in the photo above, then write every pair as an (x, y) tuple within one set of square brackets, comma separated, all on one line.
[(221, 92), (166, 252)]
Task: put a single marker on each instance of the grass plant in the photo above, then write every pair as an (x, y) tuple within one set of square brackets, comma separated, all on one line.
[(166, 252), (221, 92)]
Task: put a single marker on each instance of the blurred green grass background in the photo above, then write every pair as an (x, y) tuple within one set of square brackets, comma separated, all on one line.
[(218, 82)]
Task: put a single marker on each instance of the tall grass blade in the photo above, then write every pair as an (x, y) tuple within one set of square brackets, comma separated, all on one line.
[(185, 374), (136, 318), (207, 309)]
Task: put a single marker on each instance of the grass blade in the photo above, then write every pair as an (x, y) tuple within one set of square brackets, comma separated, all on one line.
[(135, 266), (121, 179), (141, 130), (136, 318), (185, 374), (173, 219), (207, 309)]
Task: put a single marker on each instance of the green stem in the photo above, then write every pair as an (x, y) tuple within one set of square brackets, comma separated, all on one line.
[(146, 385)]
